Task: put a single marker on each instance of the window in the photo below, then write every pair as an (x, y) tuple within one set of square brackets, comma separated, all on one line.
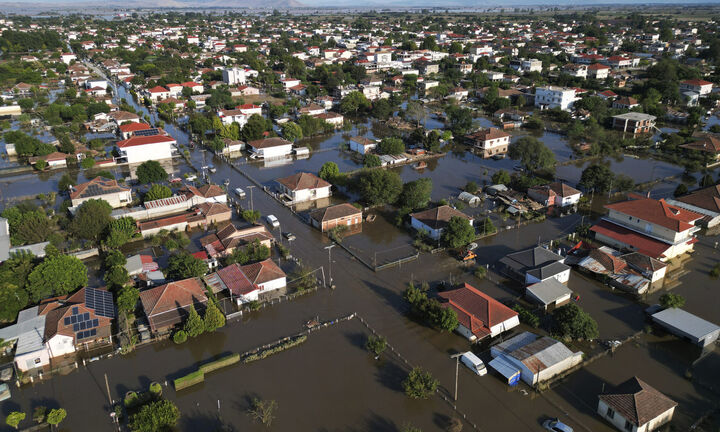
[(628, 425), (610, 413), (37, 360)]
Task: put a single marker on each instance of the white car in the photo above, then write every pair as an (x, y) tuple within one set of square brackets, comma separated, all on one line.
[(239, 192), (272, 221)]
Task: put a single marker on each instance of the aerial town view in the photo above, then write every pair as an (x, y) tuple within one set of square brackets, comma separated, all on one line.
[(396, 216)]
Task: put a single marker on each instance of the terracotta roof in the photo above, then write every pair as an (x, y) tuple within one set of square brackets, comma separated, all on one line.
[(706, 143), (696, 82), (164, 222), (611, 263), (212, 209), (123, 116), (269, 142), (158, 89), (263, 271), (476, 310), (145, 140), (707, 198), (235, 280), (645, 245), (637, 402), (96, 187), (132, 127), (488, 134), (437, 218), (303, 180), (363, 140), (171, 296), (657, 212), (335, 212)]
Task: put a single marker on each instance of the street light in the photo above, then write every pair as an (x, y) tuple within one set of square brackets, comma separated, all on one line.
[(457, 366), (251, 197), (329, 249)]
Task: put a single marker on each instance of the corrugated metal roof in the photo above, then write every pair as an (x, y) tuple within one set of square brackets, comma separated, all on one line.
[(686, 322)]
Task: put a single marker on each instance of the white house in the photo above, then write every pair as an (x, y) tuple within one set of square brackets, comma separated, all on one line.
[(362, 145), (138, 149), (434, 220), (491, 141), (101, 188), (303, 186), (234, 76), (67, 58), (535, 265), (634, 406), (701, 87), (554, 97), (270, 148), (555, 194), (289, 82), (249, 282), (228, 117), (598, 71)]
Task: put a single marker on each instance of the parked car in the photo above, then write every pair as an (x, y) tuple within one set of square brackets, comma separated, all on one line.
[(555, 425), (288, 235), (239, 192), (191, 177), (4, 392), (272, 221), (212, 169), (473, 363)]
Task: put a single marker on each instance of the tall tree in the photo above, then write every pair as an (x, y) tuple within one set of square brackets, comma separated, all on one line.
[(91, 219), (532, 153), (379, 186)]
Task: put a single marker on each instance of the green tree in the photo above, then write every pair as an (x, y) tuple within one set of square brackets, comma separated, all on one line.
[(127, 298), (91, 219), (213, 319), (391, 146), (501, 177), (157, 192), (158, 416), (329, 171), (471, 187), (532, 153), (250, 216), (573, 323), (14, 418), (680, 190), (120, 231), (376, 344), (459, 119), (354, 102), (116, 277), (371, 160), (13, 299), (56, 416), (291, 131), (65, 182), (28, 224), (184, 266), (255, 128), (670, 300), (706, 181), (416, 194), (87, 163), (458, 232), (151, 171), (114, 258), (263, 411), (58, 275), (419, 384), (597, 177), (379, 186), (194, 325), (179, 337)]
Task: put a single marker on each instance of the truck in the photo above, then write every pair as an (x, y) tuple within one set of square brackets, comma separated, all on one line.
[(473, 363)]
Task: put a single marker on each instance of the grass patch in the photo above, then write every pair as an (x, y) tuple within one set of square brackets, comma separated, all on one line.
[(198, 376)]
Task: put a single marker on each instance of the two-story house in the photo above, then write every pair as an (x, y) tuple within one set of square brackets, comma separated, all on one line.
[(555, 194), (491, 141), (634, 122), (302, 187)]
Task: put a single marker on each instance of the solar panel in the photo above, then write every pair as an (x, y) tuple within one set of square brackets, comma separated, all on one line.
[(95, 322), (76, 327), (73, 319), (100, 301), (147, 132), (67, 321), (86, 316), (93, 332), (75, 310)]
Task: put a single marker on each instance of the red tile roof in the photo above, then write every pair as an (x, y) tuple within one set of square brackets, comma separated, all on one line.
[(263, 271), (640, 243), (657, 212), (145, 140), (303, 180), (236, 281), (132, 127), (696, 82), (637, 402), (476, 310), (169, 298)]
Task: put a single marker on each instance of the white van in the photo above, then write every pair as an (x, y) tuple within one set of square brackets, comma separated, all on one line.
[(473, 363), (272, 221)]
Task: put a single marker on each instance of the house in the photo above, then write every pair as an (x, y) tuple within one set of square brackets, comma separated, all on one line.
[(210, 193), (101, 188), (127, 130), (625, 102), (705, 143), (270, 148), (333, 118), (492, 141), (250, 109), (138, 263), (137, 149), (479, 315), (341, 215), (535, 265), (687, 326), (302, 187), (232, 146), (49, 334), (168, 305), (550, 97), (362, 145), (228, 238), (233, 76), (634, 406), (701, 87), (536, 358), (228, 117), (550, 294), (652, 227), (705, 201), (555, 194), (614, 270), (598, 71), (436, 219), (266, 275), (53, 160), (311, 110), (157, 93), (634, 122)]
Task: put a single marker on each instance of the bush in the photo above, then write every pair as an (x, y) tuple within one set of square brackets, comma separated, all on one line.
[(151, 171), (480, 272), (419, 384), (376, 344), (155, 389), (715, 272), (131, 398), (670, 300), (261, 354), (180, 337), (189, 380), (526, 316)]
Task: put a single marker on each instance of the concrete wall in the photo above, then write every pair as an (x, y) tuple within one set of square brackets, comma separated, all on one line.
[(142, 153), (116, 200), (434, 234)]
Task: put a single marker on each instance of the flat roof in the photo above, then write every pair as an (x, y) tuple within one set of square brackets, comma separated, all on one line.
[(686, 322)]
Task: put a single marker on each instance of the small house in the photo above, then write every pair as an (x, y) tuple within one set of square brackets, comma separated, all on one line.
[(634, 406), (436, 219), (302, 187), (341, 215)]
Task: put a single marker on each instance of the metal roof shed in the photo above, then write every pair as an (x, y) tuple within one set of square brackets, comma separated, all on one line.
[(506, 369), (687, 325)]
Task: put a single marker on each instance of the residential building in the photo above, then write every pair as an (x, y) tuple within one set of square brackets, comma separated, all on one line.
[(634, 122), (228, 238), (362, 145), (687, 326), (126, 130), (228, 117), (168, 305), (536, 358), (302, 187), (551, 97), (252, 282), (101, 188), (137, 149), (550, 294), (625, 102), (233, 76), (706, 143), (535, 265), (434, 220), (341, 215), (270, 148), (598, 71), (701, 87), (652, 227), (634, 406), (491, 141), (557, 194), (479, 315), (704, 201)]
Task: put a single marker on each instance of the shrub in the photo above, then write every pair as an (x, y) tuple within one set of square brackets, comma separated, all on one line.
[(131, 398), (155, 389), (376, 344), (527, 316), (180, 337), (261, 354), (419, 384)]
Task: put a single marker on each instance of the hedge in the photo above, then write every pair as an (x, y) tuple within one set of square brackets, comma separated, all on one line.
[(261, 354), (220, 363), (189, 380), (199, 375)]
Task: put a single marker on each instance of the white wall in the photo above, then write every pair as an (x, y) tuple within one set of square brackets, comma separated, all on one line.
[(142, 153), (277, 151), (273, 284), (434, 234)]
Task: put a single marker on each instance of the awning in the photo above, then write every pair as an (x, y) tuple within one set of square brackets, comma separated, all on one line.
[(506, 369)]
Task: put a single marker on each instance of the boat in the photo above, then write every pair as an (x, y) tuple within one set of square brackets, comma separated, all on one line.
[(420, 165)]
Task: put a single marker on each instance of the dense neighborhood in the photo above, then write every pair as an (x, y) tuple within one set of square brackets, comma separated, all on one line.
[(500, 220)]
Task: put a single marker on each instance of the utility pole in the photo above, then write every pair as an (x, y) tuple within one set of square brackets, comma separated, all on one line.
[(329, 249), (107, 387), (457, 367), (252, 208)]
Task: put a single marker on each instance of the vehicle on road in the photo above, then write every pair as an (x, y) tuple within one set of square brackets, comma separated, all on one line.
[(473, 363), (212, 169), (288, 235), (191, 177), (472, 246), (4, 392), (239, 192), (272, 221), (555, 425)]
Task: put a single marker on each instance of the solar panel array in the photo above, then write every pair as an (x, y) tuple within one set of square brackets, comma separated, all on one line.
[(100, 301), (147, 132), (83, 326)]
